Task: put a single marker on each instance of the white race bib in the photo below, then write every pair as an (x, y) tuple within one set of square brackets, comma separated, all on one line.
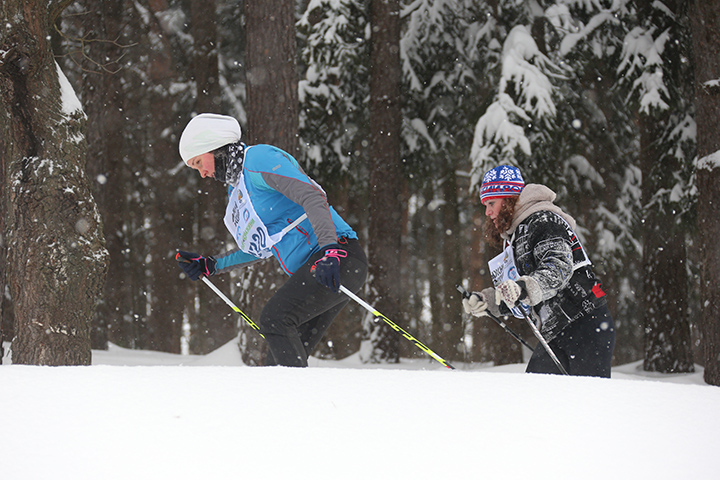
[(503, 268), (246, 227)]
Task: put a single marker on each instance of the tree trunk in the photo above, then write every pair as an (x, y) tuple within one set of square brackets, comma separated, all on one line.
[(103, 95), (448, 329), (6, 319), (272, 84), (668, 348), (165, 207), (215, 324), (56, 253), (433, 257), (385, 165), (705, 20), (273, 116), (6, 307)]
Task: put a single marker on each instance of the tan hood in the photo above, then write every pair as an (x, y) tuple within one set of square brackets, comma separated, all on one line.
[(535, 198)]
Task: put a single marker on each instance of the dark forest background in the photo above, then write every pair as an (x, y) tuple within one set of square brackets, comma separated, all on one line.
[(396, 109)]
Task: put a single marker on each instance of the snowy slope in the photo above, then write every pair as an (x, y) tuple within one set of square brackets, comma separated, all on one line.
[(212, 418)]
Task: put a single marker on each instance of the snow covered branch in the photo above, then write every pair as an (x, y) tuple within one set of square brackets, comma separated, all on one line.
[(642, 57), (709, 162), (525, 93)]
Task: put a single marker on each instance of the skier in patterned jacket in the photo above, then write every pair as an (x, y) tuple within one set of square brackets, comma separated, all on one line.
[(276, 210), (545, 270)]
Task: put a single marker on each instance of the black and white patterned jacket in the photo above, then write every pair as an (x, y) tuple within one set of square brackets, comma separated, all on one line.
[(560, 282)]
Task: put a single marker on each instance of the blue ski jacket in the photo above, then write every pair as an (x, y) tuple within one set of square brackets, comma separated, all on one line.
[(281, 192)]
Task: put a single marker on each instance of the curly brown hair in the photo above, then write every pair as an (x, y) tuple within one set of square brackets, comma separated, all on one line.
[(504, 220)]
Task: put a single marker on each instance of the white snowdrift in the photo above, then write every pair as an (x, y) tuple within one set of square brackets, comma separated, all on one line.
[(211, 418)]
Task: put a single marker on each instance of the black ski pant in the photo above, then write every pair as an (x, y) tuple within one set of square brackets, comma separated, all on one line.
[(584, 347), (295, 319)]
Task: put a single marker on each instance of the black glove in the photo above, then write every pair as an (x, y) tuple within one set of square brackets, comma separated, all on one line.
[(195, 265), (327, 269)]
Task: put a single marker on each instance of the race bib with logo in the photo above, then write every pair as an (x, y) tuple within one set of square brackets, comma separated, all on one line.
[(503, 268), (246, 227)]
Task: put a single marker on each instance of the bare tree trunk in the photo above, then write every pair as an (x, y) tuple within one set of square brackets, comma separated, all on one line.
[(214, 325), (273, 116), (103, 94), (7, 317), (56, 253), (705, 20), (272, 84), (164, 206), (385, 212), (668, 348), (434, 258), (448, 329)]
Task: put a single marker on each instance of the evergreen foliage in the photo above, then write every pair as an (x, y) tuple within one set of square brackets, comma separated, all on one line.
[(560, 88)]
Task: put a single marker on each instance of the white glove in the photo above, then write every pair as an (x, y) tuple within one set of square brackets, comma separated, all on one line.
[(476, 304), (509, 292), (482, 303)]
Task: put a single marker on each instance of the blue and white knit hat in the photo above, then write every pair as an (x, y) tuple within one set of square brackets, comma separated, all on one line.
[(501, 181)]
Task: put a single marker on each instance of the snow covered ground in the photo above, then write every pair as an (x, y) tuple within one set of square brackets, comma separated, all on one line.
[(145, 415)]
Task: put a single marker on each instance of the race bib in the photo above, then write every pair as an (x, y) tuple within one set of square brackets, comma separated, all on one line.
[(503, 268), (246, 227)]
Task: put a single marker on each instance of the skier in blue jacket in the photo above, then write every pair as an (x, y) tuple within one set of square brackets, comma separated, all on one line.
[(276, 210)]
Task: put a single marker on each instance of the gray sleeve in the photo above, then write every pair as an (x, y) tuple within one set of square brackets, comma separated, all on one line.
[(311, 197)]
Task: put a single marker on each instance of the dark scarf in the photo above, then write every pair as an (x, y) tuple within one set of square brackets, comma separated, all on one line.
[(229, 162)]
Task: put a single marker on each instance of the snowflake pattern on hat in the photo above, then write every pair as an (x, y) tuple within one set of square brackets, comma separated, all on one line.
[(501, 181), (490, 176), (508, 173)]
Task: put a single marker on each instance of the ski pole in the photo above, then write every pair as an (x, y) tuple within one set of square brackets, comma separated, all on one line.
[(544, 343), (247, 319), (396, 327), (517, 337)]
